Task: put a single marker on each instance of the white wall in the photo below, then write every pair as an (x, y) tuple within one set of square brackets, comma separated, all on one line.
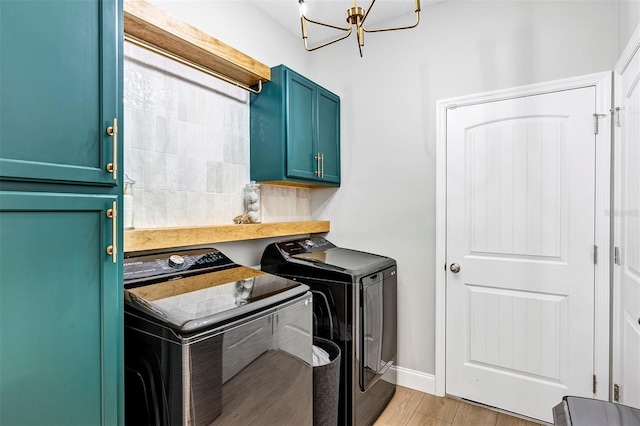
[(628, 19), (386, 203)]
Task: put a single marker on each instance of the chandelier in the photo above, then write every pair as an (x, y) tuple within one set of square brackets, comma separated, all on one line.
[(356, 16)]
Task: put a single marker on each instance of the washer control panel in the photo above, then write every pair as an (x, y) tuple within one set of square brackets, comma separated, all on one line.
[(176, 261), (161, 266), (305, 245)]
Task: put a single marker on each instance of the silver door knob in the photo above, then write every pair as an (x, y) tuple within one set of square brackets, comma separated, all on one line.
[(455, 268)]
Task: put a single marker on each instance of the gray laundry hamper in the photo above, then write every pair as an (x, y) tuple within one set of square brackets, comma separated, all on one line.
[(326, 385)]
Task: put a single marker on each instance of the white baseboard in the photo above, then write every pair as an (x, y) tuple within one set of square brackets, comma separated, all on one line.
[(415, 380)]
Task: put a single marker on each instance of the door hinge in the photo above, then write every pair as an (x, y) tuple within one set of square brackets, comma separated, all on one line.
[(595, 255), (616, 111), (616, 393), (596, 116), (616, 255), (595, 384)]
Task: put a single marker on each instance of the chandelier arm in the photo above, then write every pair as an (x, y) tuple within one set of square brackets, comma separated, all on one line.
[(360, 35), (311, 49), (367, 12), (324, 24), (355, 17), (377, 30)]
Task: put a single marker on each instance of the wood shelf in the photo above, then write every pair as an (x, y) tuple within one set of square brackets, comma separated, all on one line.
[(158, 238), (146, 22)]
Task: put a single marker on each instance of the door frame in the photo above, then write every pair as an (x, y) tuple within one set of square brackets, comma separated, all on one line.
[(603, 219)]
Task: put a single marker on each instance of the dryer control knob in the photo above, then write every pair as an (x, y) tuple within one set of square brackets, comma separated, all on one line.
[(308, 244), (176, 261)]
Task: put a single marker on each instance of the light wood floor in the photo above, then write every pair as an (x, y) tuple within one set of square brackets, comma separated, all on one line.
[(411, 407)]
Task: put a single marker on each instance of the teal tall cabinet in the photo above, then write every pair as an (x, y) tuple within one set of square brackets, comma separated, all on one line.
[(61, 234), (295, 132)]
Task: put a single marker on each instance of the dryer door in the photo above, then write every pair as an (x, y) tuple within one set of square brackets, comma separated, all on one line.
[(377, 326)]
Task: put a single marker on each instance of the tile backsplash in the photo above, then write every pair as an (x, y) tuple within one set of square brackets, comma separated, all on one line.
[(187, 147), (283, 203)]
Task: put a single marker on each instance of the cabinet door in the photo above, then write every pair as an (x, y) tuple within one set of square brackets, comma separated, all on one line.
[(328, 139), (58, 93), (60, 309), (301, 117)]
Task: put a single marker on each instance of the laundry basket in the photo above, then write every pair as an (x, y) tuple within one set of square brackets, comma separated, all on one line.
[(326, 385)]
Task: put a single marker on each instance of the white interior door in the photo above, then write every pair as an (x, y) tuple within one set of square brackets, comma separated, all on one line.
[(626, 316), (521, 176)]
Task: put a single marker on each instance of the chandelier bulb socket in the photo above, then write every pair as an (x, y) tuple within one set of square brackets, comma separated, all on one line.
[(354, 15)]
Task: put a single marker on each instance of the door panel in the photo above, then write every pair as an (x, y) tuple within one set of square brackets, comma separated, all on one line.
[(59, 301), (515, 183), (630, 351), (626, 288), (329, 134), (58, 83), (518, 333), (301, 112), (520, 223)]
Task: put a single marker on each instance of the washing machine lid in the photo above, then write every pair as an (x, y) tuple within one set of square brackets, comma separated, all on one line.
[(343, 259), (214, 292)]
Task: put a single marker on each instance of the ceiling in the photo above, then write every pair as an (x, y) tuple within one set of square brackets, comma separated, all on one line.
[(287, 13)]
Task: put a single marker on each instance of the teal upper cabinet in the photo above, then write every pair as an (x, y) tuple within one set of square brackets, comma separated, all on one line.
[(58, 76), (295, 132)]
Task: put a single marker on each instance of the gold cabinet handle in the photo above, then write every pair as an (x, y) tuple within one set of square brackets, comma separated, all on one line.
[(113, 132), (317, 158), (321, 165), (113, 248)]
